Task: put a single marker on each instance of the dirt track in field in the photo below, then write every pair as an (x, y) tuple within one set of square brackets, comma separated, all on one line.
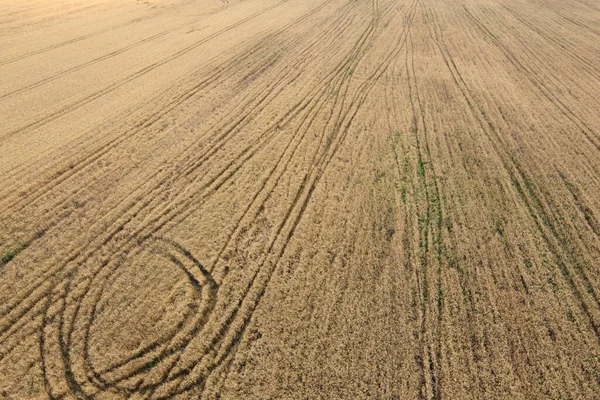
[(244, 199)]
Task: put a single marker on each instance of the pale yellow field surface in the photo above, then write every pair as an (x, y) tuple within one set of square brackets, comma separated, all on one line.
[(299, 199)]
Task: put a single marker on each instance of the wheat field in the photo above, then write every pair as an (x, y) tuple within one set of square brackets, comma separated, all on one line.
[(303, 199)]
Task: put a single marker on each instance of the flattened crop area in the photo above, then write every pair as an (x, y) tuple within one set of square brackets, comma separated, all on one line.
[(340, 199)]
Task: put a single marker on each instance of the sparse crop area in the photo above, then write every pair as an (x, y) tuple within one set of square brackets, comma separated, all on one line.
[(277, 199)]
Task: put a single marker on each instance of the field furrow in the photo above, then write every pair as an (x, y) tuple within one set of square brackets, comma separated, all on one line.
[(239, 199)]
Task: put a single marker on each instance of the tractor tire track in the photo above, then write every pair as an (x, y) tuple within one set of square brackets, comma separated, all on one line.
[(121, 82), (225, 4), (528, 197)]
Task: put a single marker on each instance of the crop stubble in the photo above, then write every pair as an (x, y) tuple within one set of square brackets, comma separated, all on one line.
[(316, 199)]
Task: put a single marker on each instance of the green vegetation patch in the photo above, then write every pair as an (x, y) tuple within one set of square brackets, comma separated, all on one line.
[(7, 257)]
